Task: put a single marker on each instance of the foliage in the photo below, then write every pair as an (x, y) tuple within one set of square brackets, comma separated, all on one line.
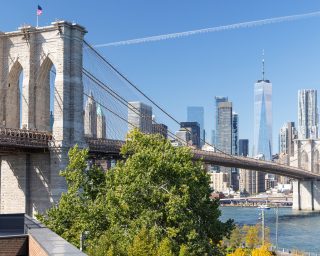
[(252, 236), (246, 241), (156, 202), (262, 251)]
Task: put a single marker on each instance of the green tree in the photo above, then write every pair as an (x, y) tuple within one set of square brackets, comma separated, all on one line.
[(159, 197), (76, 211)]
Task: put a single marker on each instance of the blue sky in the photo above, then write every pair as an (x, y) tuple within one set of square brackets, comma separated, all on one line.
[(193, 70)]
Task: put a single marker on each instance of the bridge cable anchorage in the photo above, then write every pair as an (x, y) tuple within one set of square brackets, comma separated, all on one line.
[(144, 95)]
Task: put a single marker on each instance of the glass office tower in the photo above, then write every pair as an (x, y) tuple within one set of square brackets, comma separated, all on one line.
[(262, 140), (196, 114), (308, 114)]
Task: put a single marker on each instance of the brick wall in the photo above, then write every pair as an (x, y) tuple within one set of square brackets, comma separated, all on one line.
[(12, 246), (35, 249)]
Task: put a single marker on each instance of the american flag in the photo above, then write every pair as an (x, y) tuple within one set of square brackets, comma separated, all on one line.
[(39, 10)]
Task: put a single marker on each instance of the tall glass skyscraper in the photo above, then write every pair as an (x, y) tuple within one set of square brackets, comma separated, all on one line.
[(196, 114), (262, 140), (218, 101), (307, 114)]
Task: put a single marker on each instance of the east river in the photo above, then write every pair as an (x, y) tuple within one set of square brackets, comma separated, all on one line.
[(296, 229)]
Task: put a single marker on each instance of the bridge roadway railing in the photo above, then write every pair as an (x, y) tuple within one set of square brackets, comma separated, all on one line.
[(104, 146), (17, 139), (21, 138), (248, 163)]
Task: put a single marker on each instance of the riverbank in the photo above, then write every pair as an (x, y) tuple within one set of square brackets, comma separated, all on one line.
[(297, 230)]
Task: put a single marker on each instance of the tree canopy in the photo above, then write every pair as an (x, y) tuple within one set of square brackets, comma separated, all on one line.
[(155, 202)]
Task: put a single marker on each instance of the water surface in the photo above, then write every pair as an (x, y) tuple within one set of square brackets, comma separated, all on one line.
[(296, 229)]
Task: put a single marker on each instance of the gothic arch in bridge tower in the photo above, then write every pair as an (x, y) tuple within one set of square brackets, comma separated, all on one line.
[(13, 97), (42, 93)]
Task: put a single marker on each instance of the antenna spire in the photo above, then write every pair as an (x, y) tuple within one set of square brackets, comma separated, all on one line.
[(263, 65)]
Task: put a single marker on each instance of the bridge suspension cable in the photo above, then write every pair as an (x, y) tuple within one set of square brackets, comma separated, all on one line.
[(122, 76)]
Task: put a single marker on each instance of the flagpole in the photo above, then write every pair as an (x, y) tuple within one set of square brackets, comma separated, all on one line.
[(37, 20)]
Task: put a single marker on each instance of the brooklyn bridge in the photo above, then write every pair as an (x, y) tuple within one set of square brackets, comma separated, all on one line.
[(47, 76)]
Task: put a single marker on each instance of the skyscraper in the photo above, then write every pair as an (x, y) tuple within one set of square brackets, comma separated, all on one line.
[(101, 123), (287, 134), (235, 133), (243, 147), (218, 100), (140, 116), (262, 140), (196, 114), (90, 117), (308, 119), (160, 129), (234, 151), (194, 129), (224, 127)]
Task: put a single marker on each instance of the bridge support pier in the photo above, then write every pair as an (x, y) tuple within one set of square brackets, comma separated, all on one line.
[(306, 195)]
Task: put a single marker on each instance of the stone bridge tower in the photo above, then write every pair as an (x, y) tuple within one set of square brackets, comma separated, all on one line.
[(30, 181)]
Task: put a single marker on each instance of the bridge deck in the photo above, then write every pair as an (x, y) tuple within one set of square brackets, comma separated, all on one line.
[(17, 140)]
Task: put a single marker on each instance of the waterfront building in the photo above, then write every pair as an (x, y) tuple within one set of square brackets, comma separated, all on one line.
[(252, 182), (90, 117), (101, 123), (194, 129), (140, 116), (219, 182), (196, 114), (308, 122)]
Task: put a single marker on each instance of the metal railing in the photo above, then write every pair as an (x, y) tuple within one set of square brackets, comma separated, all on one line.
[(10, 137)]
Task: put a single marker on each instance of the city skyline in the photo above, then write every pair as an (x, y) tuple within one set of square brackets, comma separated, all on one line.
[(202, 66)]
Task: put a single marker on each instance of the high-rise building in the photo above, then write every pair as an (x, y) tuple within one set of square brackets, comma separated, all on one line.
[(140, 116), (160, 129), (252, 182), (243, 147), (213, 137), (101, 123), (194, 129), (308, 118), (262, 140), (219, 182), (224, 133), (218, 100), (196, 114), (183, 137), (235, 133), (234, 151), (90, 117), (224, 127), (287, 134)]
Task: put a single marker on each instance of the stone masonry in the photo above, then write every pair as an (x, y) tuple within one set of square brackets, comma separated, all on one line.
[(30, 182)]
